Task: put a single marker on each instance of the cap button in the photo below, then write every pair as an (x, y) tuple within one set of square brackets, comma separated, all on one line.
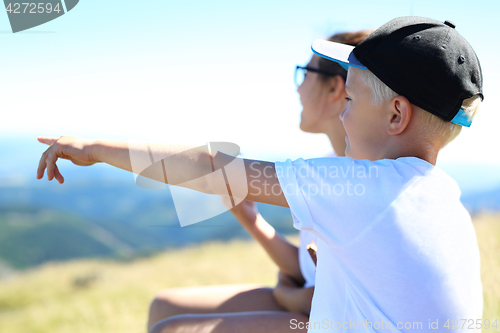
[(450, 24)]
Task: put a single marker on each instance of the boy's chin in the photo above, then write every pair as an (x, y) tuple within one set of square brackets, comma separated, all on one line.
[(348, 153)]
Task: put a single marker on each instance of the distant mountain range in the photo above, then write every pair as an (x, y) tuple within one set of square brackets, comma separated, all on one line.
[(43, 221), (101, 212), (57, 222)]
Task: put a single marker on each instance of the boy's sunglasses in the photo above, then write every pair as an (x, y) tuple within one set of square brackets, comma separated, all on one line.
[(300, 73)]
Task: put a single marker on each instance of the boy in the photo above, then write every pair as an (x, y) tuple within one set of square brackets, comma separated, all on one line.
[(396, 249)]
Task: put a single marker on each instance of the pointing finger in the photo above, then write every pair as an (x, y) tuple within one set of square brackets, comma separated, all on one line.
[(46, 140)]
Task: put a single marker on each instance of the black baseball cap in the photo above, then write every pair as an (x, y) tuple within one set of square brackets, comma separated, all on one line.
[(424, 60)]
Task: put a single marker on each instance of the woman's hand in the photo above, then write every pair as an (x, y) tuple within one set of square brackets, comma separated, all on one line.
[(287, 281), (77, 150), (291, 296)]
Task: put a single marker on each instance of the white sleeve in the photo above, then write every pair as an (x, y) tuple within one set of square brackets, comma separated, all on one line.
[(338, 199)]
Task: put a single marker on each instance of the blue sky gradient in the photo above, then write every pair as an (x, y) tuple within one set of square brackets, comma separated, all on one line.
[(197, 71)]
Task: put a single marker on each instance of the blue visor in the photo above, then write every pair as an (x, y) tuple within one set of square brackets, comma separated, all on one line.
[(462, 119), (340, 53)]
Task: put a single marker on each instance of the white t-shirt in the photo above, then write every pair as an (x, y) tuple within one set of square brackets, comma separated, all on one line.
[(307, 266), (395, 245)]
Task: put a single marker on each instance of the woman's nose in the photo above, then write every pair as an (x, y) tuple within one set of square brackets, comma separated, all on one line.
[(298, 86)]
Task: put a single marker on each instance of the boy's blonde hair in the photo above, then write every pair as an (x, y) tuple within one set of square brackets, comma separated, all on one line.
[(434, 125)]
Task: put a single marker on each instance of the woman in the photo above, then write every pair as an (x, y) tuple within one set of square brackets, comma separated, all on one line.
[(250, 308)]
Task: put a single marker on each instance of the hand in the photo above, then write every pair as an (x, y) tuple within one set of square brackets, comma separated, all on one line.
[(285, 280), (77, 150), (281, 291), (291, 296)]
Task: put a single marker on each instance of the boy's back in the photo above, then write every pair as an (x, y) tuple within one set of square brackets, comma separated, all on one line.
[(396, 247)]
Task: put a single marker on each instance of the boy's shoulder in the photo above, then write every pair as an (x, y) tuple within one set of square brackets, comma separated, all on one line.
[(340, 199), (385, 177), (347, 165)]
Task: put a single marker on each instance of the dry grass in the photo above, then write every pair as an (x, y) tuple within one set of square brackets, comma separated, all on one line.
[(104, 296), (118, 294), (488, 235)]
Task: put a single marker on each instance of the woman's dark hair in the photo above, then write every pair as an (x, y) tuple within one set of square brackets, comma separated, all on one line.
[(349, 38)]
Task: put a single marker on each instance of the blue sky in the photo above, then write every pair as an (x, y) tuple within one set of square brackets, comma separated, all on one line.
[(197, 71)]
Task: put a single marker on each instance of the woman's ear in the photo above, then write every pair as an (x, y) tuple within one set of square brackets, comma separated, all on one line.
[(336, 88), (399, 116)]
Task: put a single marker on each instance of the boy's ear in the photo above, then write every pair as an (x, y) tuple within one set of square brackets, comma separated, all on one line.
[(400, 115), (336, 88)]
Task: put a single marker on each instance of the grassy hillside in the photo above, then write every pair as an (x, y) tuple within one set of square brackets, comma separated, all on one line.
[(29, 237), (105, 296), (53, 298), (488, 235), (112, 222)]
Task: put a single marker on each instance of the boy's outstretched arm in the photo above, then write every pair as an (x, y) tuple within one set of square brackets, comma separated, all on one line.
[(180, 165)]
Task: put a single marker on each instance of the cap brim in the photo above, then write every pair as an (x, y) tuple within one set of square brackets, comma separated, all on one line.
[(340, 53)]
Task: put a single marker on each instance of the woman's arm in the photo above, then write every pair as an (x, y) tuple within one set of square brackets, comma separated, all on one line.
[(284, 254), (171, 164)]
